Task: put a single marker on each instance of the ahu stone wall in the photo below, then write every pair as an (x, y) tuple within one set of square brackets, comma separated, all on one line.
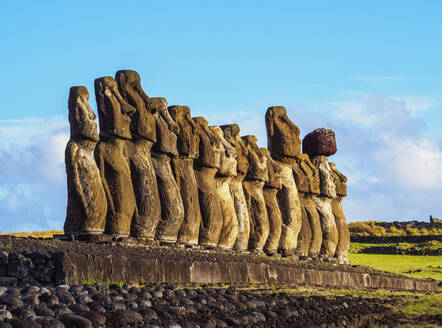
[(154, 172)]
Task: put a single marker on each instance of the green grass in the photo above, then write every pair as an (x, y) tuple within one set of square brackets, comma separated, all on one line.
[(412, 266), (35, 234), (370, 228), (432, 244)]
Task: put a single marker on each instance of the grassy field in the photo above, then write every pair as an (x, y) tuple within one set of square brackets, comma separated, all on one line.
[(412, 266), (370, 228), (35, 234)]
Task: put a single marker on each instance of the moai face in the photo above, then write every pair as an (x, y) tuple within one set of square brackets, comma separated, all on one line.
[(113, 111), (81, 117), (188, 136), (282, 135), (210, 145), (228, 155), (231, 134), (167, 129), (257, 161), (143, 123)]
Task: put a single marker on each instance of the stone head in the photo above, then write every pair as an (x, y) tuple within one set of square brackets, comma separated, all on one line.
[(201, 121), (257, 169), (142, 122), (282, 135), (231, 132), (114, 112), (188, 136), (210, 148), (81, 116)]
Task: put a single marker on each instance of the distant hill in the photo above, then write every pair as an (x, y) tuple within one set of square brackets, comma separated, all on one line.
[(396, 228)]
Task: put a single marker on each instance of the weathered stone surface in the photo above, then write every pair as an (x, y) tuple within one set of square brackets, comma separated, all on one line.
[(339, 179), (311, 172), (143, 131), (172, 208), (305, 234), (76, 268), (309, 207), (326, 181), (167, 129), (290, 207), (87, 204), (142, 123), (210, 149), (184, 174), (253, 184), (206, 166), (282, 135), (343, 245), (328, 225), (270, 189), (188, 135), (225, 174), (231, 134), (114, 114), (324, 206), (320, 142), (182, 167)]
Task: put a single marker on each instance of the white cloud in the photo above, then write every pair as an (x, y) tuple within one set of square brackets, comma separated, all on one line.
[(417, 104), (33, 180), (414, 164)]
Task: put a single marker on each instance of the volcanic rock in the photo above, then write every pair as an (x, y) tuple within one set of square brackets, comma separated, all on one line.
[(253, 184), (87, 204), (206, 166), (143, 131), (270, 189), (224, 176), (320, 142), (288, 200), (282, 135), (231, 134), (182, 167), (114, 114), (324, 206), (172, 208)]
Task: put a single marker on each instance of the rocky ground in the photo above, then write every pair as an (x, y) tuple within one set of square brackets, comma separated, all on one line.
[(169, 306)]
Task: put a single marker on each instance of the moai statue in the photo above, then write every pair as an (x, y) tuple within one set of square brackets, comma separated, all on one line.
[(143, 131), (114, 114), (284, 146), (224, 176), (182, 167), (87, 205), (271, 188), (163, 151), (318, 145), (341, 222), (307, 180), (206, 167), (231, 134), (253, 184)]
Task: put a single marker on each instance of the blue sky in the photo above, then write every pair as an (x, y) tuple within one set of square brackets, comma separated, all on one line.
[(371, 71)]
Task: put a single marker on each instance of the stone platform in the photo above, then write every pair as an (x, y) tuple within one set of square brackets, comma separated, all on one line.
[(75, 262)]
